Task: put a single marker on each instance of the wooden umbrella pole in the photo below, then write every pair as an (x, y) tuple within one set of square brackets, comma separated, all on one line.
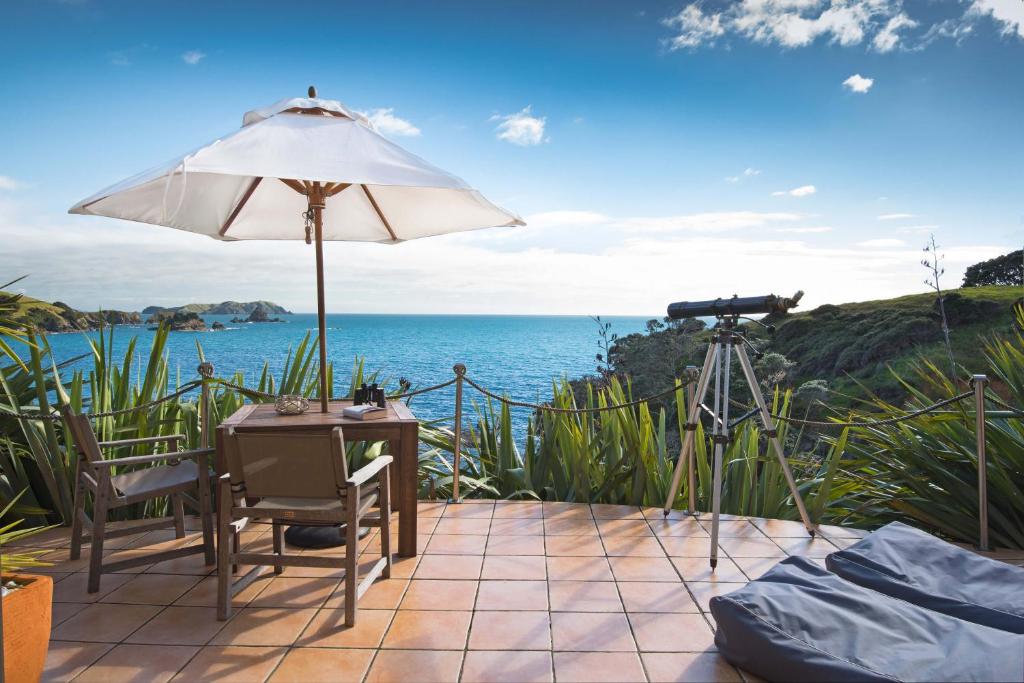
[(316, 203)]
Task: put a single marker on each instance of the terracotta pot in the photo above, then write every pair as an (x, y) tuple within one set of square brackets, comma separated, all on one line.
[(26, 631)]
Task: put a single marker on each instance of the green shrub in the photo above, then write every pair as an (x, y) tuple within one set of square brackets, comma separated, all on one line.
[(926, 469)]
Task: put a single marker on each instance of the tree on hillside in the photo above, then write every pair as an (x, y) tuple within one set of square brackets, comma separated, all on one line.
[(1007, 269)]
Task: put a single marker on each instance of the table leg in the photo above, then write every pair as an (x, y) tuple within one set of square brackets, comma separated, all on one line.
[(395, 451), (408, 476)]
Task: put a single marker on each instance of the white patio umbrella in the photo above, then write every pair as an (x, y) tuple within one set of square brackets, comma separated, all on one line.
[(289, 167)]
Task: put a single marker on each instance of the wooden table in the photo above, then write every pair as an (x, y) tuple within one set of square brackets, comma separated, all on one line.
[(400, 429)]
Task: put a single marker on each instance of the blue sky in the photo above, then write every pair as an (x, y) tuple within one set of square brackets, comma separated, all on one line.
[(658, 150)]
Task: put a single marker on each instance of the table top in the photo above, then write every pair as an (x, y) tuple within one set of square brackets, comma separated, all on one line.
[(262, 416)]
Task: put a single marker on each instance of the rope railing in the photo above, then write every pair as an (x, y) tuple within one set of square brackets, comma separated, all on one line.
[(208, 381), (555, 409), (876, 423), (55, 416)]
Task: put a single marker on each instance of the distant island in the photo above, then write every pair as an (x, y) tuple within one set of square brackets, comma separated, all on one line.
[(56, 317), (223, 308)]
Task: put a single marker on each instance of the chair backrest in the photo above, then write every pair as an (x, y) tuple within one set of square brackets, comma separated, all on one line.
[(287, 464), (82, 434)]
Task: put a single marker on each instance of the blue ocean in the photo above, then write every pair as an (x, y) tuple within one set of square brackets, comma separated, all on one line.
[(517, 355)]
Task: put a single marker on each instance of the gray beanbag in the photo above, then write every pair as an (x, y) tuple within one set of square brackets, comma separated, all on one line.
[(912, 565), (800, 622)]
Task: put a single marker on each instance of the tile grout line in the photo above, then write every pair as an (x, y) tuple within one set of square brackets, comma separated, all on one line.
[(625, 614), (394, 615), (476, 598), (547, 575)]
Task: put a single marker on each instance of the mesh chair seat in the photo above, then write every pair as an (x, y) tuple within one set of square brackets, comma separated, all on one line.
[(139, 482), (314, 505)]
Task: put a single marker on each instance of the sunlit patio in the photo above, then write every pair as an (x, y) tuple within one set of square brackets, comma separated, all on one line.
[(501, 591)]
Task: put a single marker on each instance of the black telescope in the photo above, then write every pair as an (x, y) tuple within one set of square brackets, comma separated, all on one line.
[(736, 306)]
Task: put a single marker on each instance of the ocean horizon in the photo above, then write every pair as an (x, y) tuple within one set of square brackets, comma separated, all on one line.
[(518, 355)]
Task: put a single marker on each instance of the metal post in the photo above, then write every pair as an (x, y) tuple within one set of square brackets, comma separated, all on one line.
[(978, 382), (691, 480), (205, 370), (460, 371)]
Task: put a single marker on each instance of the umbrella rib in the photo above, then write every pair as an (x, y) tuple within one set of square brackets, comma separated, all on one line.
[(241, 204), (380, 214), (294, 184)]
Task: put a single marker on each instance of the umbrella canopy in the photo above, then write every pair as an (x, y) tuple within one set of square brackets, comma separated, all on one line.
[(276, 178)]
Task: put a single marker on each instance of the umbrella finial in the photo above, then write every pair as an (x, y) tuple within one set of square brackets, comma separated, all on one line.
[(312, 91)]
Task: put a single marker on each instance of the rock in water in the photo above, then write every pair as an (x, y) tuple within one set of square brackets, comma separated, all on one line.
[(258, 315), (179, 322)]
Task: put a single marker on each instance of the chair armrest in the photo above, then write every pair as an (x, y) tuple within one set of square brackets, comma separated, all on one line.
[(147, 439), (142, 459), (366, 472)]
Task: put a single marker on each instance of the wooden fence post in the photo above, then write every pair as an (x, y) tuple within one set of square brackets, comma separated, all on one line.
[(205, 370)]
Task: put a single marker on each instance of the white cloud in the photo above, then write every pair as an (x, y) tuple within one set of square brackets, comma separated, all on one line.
[(747, 173), (10, 184), (881, 25), (193, 57), (706, 222), (858, 83), (792, 23), (385, 121), (802, 191), (549, 219), (639, 273), (1008, 14), (694, 28), (521, 128), (895, 216), (882, 243), (888, 38), (806, 231), (710, 222), (957, 30)]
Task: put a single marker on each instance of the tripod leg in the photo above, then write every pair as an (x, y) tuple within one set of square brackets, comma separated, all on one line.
[(691, 478), (766, 419), (721, 438), (710, 360)]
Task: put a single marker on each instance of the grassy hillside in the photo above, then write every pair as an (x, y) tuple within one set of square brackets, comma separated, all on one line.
[(59, 317), (846, 345), (858, 342)]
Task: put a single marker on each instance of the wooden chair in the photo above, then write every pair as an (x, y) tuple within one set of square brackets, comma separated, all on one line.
[(288, 478), (184, 473)]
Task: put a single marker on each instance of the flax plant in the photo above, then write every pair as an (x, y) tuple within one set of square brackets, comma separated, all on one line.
[(926, 469), (619, 456)]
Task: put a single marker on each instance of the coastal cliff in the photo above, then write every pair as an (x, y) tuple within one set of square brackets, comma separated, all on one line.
[(59, 317)]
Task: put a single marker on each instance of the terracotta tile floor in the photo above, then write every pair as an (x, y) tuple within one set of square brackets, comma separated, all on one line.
[(501, 592)]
